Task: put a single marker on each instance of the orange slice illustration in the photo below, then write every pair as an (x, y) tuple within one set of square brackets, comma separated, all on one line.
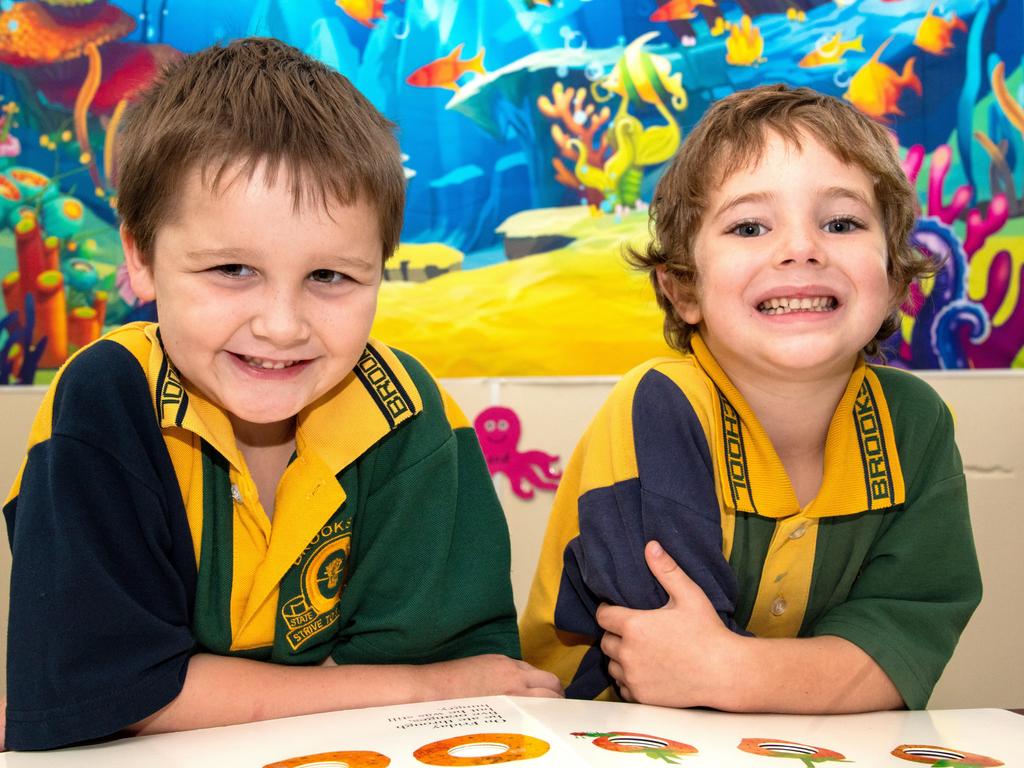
[(335, 760), (640, 744), (943, 757), (481, 749), (808, 755)]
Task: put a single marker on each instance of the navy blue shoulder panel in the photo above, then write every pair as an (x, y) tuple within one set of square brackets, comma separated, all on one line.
[(672, 453), (677, 479), (103, 577), (672, 500)]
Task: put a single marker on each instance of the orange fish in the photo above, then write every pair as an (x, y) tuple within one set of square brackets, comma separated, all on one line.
[(674, 10), (831, 52), (366, 12), (935, 34), (443, 72), (875, 88)]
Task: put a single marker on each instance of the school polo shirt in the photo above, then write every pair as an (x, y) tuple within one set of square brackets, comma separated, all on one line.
[(883, 556), (139, 539)]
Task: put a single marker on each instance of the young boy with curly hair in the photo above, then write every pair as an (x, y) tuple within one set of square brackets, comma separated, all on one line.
[(766, 523), (251, 510)]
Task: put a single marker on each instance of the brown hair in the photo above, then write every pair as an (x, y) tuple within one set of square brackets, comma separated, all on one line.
[(257, 100), (732, 135)]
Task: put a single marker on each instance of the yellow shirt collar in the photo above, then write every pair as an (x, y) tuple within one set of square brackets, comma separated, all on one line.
[(377, 396), (862, 466)]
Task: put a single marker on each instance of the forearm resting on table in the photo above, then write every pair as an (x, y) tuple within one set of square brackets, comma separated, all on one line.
[(221, 690), (815, 675)]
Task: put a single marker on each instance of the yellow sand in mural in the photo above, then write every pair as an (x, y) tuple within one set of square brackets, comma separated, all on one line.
[(578, 310)]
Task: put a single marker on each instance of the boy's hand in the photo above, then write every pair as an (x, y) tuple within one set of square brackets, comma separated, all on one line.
[(674, 655), (489, 675)]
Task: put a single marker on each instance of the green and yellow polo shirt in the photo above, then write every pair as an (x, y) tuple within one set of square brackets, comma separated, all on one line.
[(676, 455), (139, 539)]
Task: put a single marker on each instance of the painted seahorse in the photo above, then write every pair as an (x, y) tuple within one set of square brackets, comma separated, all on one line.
[(619, 178), (639, 76)]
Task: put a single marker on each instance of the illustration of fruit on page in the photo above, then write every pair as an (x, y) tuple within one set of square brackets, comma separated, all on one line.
[(620, 735), (463, 732), (543, 733)]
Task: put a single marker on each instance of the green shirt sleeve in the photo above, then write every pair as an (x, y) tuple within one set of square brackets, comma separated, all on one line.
[(920, 581)]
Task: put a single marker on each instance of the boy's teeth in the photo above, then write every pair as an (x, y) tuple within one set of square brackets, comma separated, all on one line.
[(784, 305), (270, 365)]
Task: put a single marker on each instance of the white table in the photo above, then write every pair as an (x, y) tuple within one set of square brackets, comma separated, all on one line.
[(396, 733)]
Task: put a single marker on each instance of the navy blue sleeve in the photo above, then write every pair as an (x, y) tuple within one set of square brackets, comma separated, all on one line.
[(103, 576), (672, 500)]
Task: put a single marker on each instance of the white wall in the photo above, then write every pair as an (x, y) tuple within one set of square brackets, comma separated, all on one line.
[(988, 667)]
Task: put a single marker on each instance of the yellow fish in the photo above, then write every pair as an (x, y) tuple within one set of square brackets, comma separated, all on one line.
[(935, 34), (647, 76), (832, 51), (744, 45), (795, 14), (721, 26), (366, 12), (875, 88)]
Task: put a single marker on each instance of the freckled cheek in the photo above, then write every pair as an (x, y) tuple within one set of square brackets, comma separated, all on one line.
[(345, 327)]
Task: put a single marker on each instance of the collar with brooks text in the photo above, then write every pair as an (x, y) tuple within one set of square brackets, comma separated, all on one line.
[(372, 400), (862, 467)]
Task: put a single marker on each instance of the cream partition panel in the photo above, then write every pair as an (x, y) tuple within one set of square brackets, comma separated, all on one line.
[(988, 667)]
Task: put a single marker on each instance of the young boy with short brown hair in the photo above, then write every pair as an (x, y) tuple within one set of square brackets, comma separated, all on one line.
[(250, 510), (768, 481)]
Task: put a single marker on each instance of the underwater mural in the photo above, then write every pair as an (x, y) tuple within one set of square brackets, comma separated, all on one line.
[(533, 133)]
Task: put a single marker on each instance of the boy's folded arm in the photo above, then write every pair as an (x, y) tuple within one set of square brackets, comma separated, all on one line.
[(682, 655), (808, 675), (624, 486), (225, 690)]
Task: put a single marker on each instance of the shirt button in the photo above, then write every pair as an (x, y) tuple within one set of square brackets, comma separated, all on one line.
[(799, 531), (778, 606), (236, 494)]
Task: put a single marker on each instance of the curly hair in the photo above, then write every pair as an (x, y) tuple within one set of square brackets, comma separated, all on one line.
[(733, 135)]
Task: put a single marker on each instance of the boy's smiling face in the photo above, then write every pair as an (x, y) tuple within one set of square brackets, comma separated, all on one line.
[(263, 308), (791, 264)]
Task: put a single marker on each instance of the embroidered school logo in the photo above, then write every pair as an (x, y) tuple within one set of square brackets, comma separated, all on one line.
[(735, 458), (322, 578), (381, 382), (877, 473)]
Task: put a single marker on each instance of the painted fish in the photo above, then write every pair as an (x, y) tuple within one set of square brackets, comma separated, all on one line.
[(366, 12), (645, 76), (935, 34), (832, 52), (443, 72), (796, 14), (674, 10), (875, 88)]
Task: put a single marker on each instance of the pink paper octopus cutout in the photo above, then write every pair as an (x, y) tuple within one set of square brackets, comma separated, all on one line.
[(498, 430)]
